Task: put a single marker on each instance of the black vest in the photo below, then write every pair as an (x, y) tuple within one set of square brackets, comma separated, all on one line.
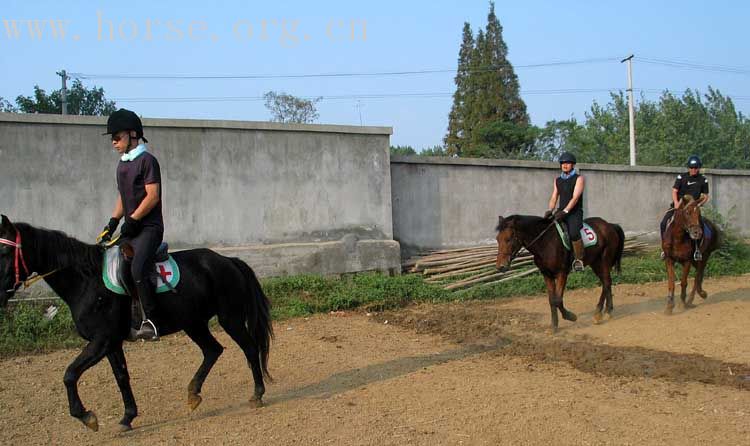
[(565, 191)]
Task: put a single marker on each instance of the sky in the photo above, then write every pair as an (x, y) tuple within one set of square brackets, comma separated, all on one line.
[(566, 55)]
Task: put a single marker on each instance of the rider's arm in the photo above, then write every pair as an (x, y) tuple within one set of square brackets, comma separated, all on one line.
[(553, 198), (118, 210), (149, 201), (675, 200), (577, 191)]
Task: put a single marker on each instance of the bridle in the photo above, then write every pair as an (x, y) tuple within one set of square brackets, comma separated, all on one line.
[(520, 244), (19, 261)]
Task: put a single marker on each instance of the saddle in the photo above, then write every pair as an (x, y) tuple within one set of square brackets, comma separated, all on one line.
[(116, 271), (588, 236)]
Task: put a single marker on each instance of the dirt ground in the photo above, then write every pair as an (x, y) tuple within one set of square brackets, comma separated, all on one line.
[(459, 374)]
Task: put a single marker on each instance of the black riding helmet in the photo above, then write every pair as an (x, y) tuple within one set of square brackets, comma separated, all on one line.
[(694, 161), (567, 157), (124, 119)]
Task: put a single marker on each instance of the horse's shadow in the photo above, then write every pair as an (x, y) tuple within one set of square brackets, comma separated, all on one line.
[(656, 305), (340, 382)]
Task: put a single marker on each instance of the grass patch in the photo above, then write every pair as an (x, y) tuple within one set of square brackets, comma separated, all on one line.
[(23, 329)]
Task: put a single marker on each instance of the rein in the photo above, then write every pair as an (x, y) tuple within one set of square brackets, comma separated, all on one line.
[(19, 259), (513, 255)]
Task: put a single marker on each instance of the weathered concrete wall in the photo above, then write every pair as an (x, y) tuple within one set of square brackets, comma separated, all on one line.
[(279, 195), (450, 202)]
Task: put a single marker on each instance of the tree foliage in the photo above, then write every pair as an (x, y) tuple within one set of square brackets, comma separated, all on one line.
[(6, 106), (668, 131), (287, 108), (488, 118), (81, 101)]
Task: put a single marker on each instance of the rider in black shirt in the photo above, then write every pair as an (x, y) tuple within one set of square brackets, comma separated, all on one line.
[(568, 188), (139, 201), (692, 183)]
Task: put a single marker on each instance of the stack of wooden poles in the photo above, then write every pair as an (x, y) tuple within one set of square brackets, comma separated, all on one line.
[(456, 269)]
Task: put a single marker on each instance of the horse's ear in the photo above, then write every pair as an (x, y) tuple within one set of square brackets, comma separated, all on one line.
[(499, 222), (687, 198), (6, 222)]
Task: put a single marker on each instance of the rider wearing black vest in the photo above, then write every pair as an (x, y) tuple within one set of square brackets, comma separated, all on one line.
[(568, 189), (691, 183), (139, 201)]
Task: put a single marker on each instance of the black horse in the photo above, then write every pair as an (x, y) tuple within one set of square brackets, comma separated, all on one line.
[(534, 234), (210, 284)]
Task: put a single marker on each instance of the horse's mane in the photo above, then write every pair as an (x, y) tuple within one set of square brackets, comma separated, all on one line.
[(518, 220), (59, 250)]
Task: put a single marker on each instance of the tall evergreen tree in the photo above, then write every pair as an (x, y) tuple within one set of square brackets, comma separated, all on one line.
[(488, 117), (457, 135)]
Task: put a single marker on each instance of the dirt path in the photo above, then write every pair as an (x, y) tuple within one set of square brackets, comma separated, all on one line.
[(463, 373)]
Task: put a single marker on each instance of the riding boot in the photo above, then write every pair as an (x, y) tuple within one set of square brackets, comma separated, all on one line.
[(146, 291), (578, 252)]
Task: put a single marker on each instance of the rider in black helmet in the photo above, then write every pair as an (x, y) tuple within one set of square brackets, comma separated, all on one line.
[(139, 201), (691, 183), (568, 187)]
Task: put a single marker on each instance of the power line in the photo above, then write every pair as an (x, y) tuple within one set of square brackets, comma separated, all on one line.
[(694, 65), (314, 75)]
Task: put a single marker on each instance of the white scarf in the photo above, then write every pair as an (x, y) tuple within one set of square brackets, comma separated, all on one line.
[(135, 153)]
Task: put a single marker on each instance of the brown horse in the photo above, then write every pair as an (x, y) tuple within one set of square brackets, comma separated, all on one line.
[(680, 241), (554, 261)]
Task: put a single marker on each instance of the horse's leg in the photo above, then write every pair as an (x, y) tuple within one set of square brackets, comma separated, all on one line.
[(120, 369), (684, 283), (560, 282), (670, 286), (551, 290), (238, 331), (700, 269), (211, 349), (92, 353), (603, 273)]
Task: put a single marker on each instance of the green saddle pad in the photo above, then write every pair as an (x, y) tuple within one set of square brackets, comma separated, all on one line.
[(588, 236)]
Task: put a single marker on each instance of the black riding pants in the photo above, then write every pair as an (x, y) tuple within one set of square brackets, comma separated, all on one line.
[(574, 222), (144, 246)]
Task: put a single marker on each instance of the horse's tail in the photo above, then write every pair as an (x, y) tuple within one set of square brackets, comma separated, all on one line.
[(620, 246), (257, 315)]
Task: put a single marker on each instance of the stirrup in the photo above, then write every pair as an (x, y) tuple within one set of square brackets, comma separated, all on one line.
[(578, 265), (147, 332), (697, 256)]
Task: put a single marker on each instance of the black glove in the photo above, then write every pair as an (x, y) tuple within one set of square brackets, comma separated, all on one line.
[(109, 229), (559, 215), (548, 214), (130, 228)]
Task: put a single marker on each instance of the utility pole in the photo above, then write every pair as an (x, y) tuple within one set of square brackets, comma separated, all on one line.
[(631, 112), (359, 109), (64, 92)]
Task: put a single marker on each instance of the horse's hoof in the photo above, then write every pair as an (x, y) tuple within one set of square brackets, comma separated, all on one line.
[(607, 316), (194, 400), (597, 318), (668, 310), (689, 305), (256, 402), (90, 421), (124, 427), (570, 316), (703, 294)]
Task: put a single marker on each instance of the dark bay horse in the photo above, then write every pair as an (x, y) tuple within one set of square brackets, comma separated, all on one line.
[(210, 285), (679, 244), (554, 261)]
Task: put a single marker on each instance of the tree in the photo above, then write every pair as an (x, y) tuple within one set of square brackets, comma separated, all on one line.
[(488, 117), (287, 108), (403, 150), (81, 101), (458, 134), (6, 106)]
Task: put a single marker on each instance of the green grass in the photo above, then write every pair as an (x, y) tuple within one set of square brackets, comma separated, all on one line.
[(23, 329)]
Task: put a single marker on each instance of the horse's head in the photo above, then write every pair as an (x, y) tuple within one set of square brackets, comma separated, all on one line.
[(508, 244), (688, 217), (7, 259)]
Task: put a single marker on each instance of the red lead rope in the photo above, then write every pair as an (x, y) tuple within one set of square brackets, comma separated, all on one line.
[(18, 255)]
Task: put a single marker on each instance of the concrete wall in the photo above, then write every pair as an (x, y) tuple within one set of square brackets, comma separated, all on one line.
[(451, 202), (289, 198)]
